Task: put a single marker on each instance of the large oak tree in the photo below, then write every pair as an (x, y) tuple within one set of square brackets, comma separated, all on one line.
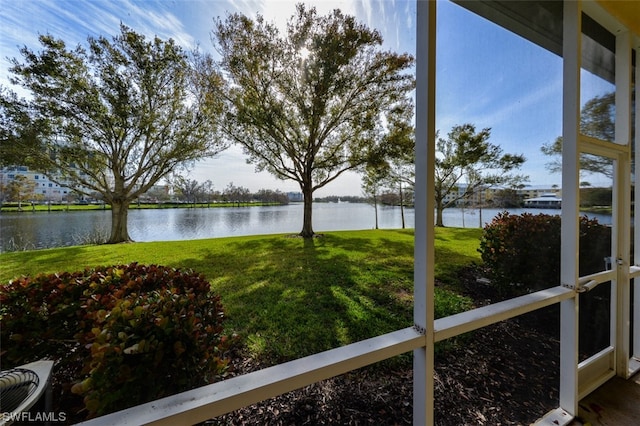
[(113, 118), (467, 160), (309, 104)]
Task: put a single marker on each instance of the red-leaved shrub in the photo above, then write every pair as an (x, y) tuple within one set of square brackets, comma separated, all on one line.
[(138, 332)]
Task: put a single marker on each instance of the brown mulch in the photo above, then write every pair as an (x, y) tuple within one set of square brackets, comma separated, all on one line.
[(504, 374)]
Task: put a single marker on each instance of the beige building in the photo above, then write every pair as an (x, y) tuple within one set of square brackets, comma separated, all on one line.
[(44, 189)]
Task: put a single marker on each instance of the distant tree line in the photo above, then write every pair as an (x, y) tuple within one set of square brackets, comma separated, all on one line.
[(192, 191), (22, 190), (386, 198)]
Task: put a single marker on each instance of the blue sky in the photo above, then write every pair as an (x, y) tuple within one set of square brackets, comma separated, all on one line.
[(514, 89)]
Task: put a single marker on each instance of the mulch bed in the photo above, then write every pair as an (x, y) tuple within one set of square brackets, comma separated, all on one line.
[(504, 374)]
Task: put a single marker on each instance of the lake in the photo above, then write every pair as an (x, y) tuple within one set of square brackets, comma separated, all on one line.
[(30, 230)]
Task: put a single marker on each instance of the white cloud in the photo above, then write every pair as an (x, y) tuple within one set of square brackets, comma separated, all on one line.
[(368, 11)]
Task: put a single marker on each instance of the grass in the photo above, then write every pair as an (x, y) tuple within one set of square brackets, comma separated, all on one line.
[(289, 297), (455, 248)]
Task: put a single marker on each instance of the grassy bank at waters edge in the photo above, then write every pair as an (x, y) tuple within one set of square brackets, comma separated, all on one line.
[(288, 297)]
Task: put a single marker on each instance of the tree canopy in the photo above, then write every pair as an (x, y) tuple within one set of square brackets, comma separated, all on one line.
[(468, 163), (113, 118), (310, 104), (394, 171), (596, 120)]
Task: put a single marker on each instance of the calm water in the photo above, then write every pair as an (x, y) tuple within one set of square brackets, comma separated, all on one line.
[(41, 230)]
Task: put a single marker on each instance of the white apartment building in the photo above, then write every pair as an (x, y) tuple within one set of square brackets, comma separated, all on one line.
[(486, 195), (535, 191), (44, 189)]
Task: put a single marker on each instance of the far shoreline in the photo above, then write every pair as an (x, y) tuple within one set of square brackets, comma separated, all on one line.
[(59, 207)]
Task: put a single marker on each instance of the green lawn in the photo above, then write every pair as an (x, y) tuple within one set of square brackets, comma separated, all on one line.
[(288, 297)]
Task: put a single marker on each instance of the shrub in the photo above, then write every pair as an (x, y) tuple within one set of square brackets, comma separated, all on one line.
[(139, 332), (522, 252)]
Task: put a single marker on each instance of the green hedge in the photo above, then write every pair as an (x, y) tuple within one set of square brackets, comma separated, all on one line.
[(522, 252)]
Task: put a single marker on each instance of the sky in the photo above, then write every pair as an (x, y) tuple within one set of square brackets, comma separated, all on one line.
[(515, 89)]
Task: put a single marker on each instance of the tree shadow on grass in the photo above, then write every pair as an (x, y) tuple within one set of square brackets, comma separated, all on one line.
[(292, 297), (33, 259)]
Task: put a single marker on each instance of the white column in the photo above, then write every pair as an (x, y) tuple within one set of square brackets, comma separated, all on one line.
[(423, 363), (571, 53), (636, 218), (621, 293)]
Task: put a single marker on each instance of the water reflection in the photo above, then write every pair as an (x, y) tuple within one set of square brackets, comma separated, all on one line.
[(236, 218), (41, 230), (192, 223)]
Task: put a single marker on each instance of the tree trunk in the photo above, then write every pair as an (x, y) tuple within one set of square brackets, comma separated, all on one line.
[(375, 207), (402, 206), (307, 227), (119, 216), (439, 214), (462, 209)]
